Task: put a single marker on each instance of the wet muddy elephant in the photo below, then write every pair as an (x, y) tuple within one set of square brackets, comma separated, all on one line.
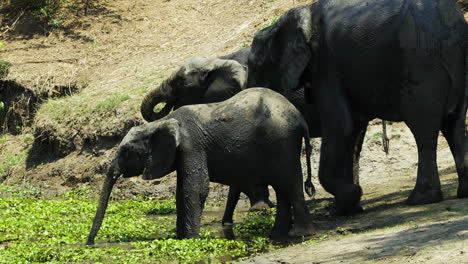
[(398, 60), (253, 138), (211, 79)]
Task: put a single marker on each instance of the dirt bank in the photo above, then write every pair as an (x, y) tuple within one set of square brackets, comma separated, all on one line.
[(114, 55)]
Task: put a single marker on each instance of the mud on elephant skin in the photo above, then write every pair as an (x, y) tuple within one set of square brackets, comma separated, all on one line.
[(204, 80), (398, 60), (253, 138), (211, 79)]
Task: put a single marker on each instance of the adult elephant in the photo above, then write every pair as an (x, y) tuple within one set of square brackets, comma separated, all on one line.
[(399, 60)]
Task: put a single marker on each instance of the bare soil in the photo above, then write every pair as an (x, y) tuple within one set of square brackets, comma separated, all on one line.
[(124, 42), (121, 43), (389, 231)]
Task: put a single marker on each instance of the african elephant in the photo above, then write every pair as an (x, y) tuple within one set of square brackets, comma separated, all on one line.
[(214, 79), (201, 80), (211, 79), (253, 138), (205, 80), (398, 60)]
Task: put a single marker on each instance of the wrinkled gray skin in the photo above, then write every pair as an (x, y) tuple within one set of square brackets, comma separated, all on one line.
[(398, 60), (201, 80), (211, 79), (253, 138)]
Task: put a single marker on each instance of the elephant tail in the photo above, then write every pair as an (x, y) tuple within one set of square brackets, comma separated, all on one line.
[(308, 186)]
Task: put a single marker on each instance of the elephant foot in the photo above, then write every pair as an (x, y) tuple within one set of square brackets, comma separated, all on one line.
[(259, 206), (347, 200), (301, 230), (427, 197)]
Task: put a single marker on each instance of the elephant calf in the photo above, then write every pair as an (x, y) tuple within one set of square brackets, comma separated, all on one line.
[(251, 139)]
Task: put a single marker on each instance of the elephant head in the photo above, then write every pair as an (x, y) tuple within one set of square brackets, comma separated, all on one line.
[(200, 80), (149, 149), (283, 54)]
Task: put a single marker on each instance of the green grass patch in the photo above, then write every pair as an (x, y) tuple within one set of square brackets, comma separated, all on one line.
[(111, 103), (97, 103)]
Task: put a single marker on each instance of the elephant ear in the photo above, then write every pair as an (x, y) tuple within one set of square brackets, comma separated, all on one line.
[(281, 53), (220, 78), (164, 140)]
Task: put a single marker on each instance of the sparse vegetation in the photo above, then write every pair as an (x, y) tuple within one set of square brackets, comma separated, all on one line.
[(52, 12), (4, 69), (377, 136), (9, 161), (272, 21)]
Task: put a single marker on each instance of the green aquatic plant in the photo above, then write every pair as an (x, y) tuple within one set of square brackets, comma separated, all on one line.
[(34, 229)]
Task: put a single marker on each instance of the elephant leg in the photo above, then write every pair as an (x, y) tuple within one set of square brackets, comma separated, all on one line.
[(192, 190), (359, 140), (427, 189), (302, 225), (423, 112), (233, 198), (283, 215), (454, 130), (338, 140)]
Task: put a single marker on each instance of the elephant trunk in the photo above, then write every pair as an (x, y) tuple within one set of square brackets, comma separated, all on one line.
[(111, 177), (156, 96)]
